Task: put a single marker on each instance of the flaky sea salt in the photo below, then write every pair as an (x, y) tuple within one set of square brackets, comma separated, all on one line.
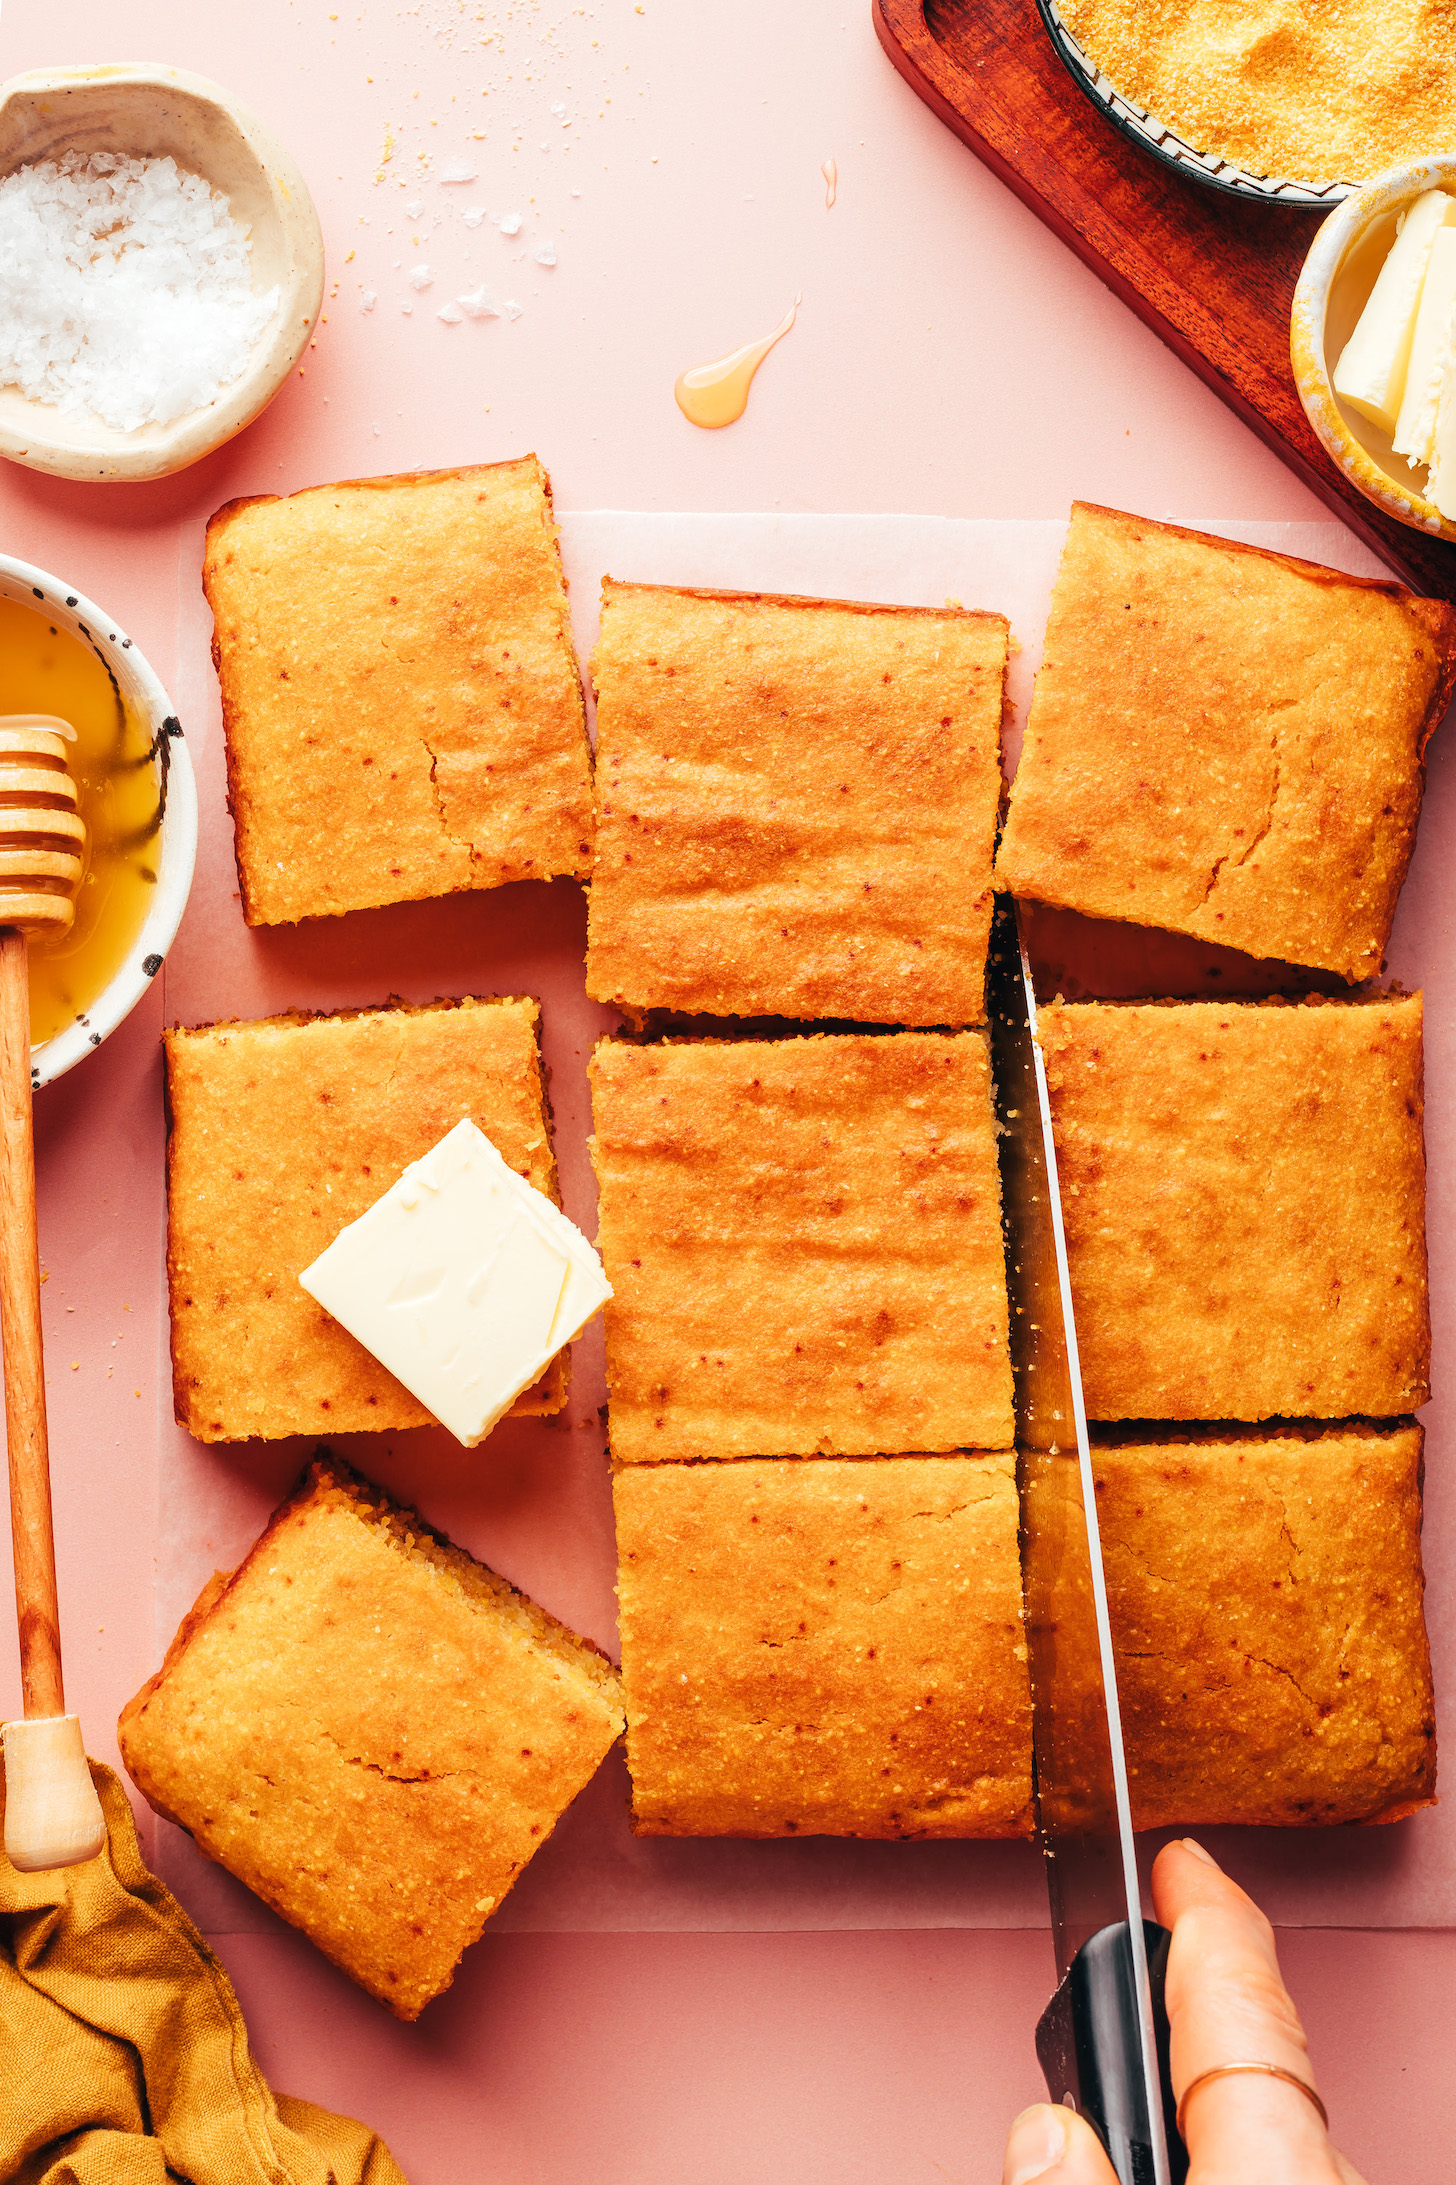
[(459, 170), (368, 300), (511, 308), (511, 225), (126, 288), (451, 314), (545, 254), (420, 277), (478, 304), (473, 215)]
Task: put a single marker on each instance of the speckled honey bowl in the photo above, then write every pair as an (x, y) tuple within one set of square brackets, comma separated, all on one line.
[(149, 111), (161, 800), (1334, 287)]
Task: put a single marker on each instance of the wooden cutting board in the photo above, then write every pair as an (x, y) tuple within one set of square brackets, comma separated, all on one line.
[(1213, 275)]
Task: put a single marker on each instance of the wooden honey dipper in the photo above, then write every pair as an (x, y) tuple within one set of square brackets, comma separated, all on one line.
[(52, 1814)]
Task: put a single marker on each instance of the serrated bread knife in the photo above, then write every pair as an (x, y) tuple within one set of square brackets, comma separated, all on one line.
[(1103, 2039)]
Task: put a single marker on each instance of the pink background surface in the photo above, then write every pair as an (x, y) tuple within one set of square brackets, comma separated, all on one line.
[(950, 360)]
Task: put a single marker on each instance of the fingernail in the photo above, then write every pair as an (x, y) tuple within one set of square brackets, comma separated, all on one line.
[(1199, 1853), (1036, 2141)]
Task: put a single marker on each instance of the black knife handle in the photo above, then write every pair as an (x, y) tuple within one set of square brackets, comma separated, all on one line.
[(1089, 2045)]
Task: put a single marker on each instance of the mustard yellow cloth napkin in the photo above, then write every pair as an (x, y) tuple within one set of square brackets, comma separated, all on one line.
[(124, 2059)]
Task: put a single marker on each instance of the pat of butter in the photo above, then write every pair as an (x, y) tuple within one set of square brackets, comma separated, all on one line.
[(463, 1280), (1371, 373), (1415, 429), (1441, 485)]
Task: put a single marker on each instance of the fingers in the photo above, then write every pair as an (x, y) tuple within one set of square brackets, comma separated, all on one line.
[(1052, 2146), (1227, 2004)]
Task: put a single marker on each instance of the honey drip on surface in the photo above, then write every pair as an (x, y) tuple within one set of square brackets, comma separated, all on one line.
[(713, 395), (831, 183), (44, 669)]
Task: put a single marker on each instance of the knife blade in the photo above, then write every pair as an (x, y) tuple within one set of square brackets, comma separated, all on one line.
[(1102, 2041)]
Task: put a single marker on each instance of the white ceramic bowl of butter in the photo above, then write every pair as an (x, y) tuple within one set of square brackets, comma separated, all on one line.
[(1334, 287), (149, 111), (171, 795)]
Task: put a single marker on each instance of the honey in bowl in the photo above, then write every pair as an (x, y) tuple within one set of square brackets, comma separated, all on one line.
[(46, 670)]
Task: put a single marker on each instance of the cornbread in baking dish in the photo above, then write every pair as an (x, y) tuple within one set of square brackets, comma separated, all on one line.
[(796, 806), (803, 1238), (371, 1730), (1243, 1186), (1267, 1613), (1226, 743), (285, 1130), (1306, 93), (830, 1647), (401, 698)]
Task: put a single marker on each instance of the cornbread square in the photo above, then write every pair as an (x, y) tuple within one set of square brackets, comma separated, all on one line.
[(825, 1648), (796, 806), (804, 1241), (1244, 1193), (372, 1730), (1266, 1599), (1227, 743), (401, 698), (284, 1131)]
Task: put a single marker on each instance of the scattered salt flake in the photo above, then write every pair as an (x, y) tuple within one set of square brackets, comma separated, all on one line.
[(376, 432), (412, 212), (511, 224), (368, 300), (473, 215), (479, 303), (451, 314), (126, 288), (511, 308), (545, 254), (406, 308), (458, 170), (420, 277), (558, 107)]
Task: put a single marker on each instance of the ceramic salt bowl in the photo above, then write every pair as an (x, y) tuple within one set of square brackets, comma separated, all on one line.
[(139, 690), (1334, 287), (147, 111)]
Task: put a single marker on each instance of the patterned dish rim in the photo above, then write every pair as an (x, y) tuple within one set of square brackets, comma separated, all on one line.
[(134, 679), (1165, 143)]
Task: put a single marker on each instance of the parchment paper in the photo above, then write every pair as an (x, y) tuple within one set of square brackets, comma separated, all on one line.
[(533, 1501)]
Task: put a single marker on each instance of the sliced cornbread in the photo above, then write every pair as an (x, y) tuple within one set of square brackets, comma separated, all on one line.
[(804, 1241), (400, 695), (829, 1647), (797, 803), (371, 1730), (1226, 742), (1244, 1193)]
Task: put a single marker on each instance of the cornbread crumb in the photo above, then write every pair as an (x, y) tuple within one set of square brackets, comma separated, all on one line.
[(832, 1648), (1291, 88), (372, 1731)]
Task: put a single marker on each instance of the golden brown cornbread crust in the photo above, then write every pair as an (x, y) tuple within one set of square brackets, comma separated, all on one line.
[(1226, 742), (372, 1731), (796, 806), (1243, 1186), (831, 1647), (1267, 1610), (803, 1238), (401, 698), (283, 1131)]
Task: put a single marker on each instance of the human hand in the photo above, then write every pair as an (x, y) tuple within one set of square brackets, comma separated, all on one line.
[(1226, 2004)]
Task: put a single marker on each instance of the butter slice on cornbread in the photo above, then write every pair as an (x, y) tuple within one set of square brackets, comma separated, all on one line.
[(400, 693), (285, 1130), (372, 1731)]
